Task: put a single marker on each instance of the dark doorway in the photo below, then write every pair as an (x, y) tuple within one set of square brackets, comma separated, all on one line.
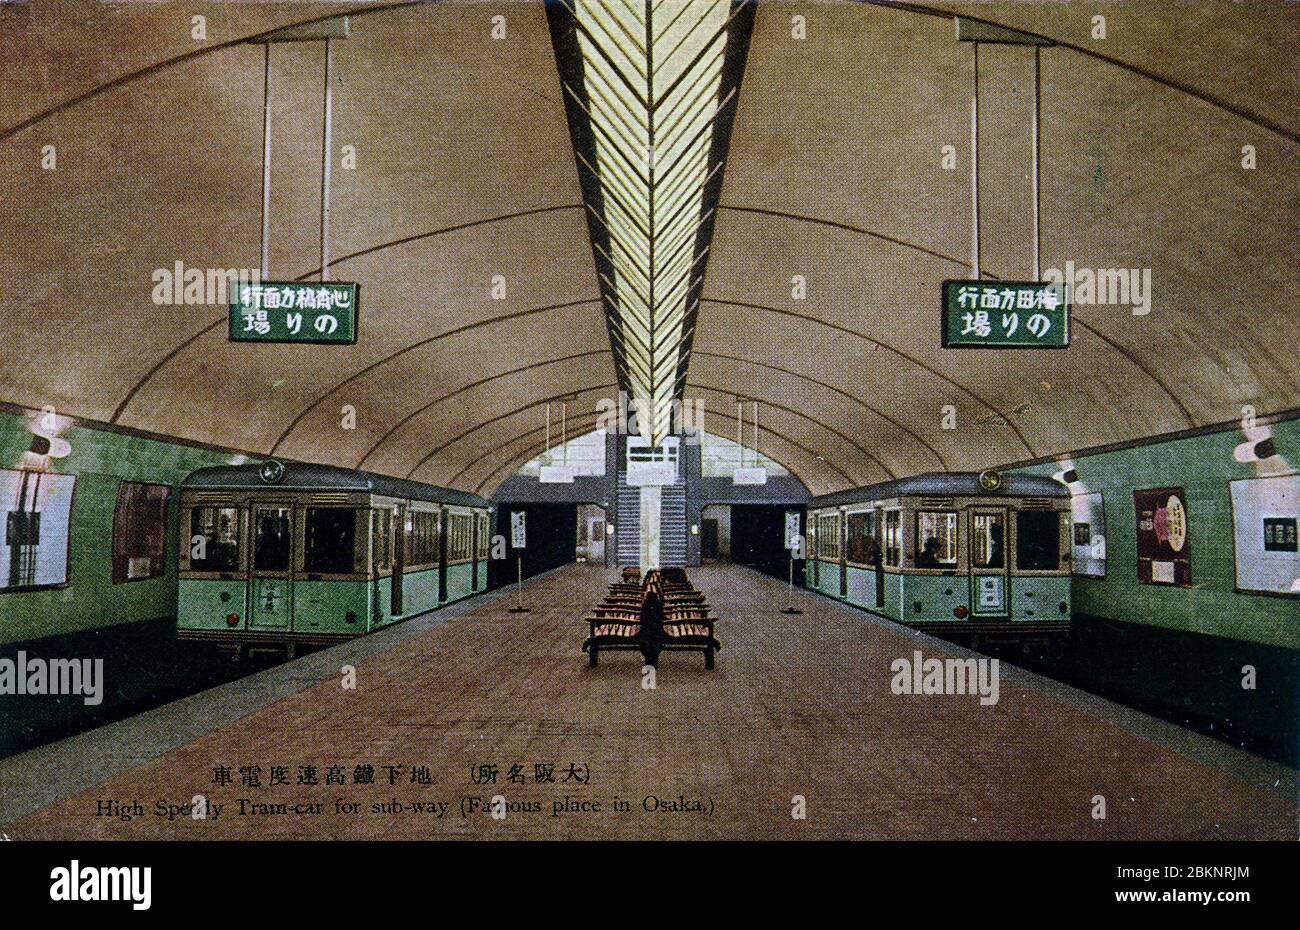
[(708, 539), (551, 537), (758, 539)]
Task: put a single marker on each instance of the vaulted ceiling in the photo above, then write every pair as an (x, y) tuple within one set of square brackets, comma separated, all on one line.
[(465, 171)]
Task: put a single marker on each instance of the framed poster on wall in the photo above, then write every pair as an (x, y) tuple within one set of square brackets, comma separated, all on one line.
[(1163, 542), (1265, 521), (34, 534), (1088, 539)]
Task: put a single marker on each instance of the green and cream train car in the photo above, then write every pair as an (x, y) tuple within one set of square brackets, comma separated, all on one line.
[(948, 552), (287, 554)]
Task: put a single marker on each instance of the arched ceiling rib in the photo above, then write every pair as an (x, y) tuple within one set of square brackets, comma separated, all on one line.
[(465, 170), (401, 423)]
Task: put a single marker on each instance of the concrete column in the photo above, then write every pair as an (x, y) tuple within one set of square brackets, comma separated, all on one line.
[(650, 504)]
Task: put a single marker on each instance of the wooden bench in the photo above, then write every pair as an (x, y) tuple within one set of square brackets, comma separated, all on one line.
[(652, 621)]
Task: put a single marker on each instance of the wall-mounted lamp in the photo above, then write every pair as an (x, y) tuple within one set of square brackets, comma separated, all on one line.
[(695, 529), (1255, 450), (46, 442), (42, 449)]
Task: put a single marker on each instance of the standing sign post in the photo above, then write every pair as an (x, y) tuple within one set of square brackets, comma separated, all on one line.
[(517, 539), (793, 540)]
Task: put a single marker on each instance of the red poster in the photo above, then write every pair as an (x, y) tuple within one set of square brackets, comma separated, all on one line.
[(1163, 542)]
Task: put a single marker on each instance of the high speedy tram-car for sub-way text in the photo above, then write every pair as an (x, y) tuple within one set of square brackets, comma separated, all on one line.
[(284, 553), (948, 552)]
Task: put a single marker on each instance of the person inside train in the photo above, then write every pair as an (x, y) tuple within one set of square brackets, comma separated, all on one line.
[(929, 555), (995, 545)]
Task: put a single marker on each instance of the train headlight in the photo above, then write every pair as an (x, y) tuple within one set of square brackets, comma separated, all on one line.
[(232, 619), (959, 612), (990, 480)]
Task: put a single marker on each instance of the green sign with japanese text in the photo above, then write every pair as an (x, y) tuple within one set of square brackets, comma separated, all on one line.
[(1004, 315), (299, 311)]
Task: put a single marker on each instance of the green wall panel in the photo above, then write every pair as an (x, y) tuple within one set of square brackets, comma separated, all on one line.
[(101, 460), (1203, 465)]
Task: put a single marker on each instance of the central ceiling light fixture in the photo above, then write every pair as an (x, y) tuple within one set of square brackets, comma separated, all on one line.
[(650, 90)]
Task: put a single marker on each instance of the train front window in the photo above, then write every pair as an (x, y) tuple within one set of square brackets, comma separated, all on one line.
[(218, 528), (329, 540), (988, 548), (936, 538), (272, 539), (1038, 540)]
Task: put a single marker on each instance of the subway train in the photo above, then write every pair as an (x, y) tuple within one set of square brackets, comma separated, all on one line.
[(959, 552), (282, 554)]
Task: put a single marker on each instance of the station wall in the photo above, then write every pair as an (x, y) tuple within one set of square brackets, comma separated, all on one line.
[(1202, 465), (101, 460)]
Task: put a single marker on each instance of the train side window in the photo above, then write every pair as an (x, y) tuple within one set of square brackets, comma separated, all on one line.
[(1038, 540), (863, 548), (828, 535), (380, 531), (139, 531), (893, 537), (421, 537), (988, 547), (936, 538), (329, 540), (219, 528), (459, 542)]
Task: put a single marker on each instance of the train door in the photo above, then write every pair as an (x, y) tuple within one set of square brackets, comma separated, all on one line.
[(399, 557), (813, 556), (844, 555), (473, 551), (270, 586), (443, 528), (879, 564), (990, 578)]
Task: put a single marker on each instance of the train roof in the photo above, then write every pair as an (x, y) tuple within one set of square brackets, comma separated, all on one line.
[(299, 476), (946, 484)]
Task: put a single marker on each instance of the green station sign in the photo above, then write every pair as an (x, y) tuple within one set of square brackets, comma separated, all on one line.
[(296, 311), (1004, 315)]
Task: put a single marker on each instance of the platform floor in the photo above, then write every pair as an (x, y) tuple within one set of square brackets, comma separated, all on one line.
[(798, 706)]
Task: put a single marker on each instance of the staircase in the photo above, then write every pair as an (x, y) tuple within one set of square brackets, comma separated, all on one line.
[(628, 524), (672, 525), (672, 522)]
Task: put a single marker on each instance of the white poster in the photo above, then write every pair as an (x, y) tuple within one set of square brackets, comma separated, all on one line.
[(517, 529), (1088, 534), (37, 508), (792, 529), (1265, 516)]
